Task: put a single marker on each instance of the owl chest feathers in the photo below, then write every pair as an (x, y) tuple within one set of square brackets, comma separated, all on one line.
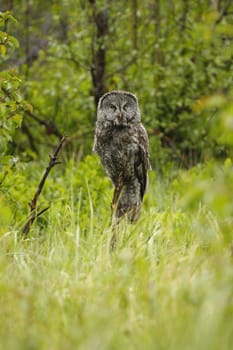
[(118, 150)]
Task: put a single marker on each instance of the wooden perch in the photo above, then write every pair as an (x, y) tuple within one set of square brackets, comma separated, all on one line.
[(33, 204)]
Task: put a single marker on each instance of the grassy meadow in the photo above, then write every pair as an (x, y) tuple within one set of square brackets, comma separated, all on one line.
[(167, 285)]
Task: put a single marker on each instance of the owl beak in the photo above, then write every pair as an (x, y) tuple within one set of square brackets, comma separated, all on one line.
[(121, 115)]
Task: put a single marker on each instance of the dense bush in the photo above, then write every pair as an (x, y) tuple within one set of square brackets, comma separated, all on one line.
[(173, 55)]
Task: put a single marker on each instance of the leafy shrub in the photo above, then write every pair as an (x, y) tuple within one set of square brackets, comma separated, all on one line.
[(11, 114), (206, 191)]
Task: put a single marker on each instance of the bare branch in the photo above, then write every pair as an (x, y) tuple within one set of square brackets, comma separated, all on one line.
[(33, 204)]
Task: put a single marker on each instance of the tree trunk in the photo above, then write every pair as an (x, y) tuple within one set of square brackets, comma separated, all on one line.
[(134, 23), (156, 15), (100, 20)]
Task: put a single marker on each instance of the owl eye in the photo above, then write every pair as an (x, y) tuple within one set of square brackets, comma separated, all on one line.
[(126, 107), (112, 107)]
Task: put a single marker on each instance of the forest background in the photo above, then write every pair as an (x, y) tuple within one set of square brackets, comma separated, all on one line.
[(170, 270)]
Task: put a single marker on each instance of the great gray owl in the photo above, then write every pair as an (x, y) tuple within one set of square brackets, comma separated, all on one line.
[(121, 142)]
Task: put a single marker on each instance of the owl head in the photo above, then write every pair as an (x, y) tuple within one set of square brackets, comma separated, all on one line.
[(118, 108)]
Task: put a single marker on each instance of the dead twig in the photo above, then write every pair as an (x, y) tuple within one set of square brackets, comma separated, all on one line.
[(33, 204)]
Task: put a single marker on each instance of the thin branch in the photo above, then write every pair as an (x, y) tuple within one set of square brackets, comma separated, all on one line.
[(5, 91), (132, 60), (3, 177), (27, 132), (224, 12), (72, 58), (51, 128), (43, 211), (33, 204)]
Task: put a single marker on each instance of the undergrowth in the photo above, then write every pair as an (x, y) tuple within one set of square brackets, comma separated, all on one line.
[(167, 285)]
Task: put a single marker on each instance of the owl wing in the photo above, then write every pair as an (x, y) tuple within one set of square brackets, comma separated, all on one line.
[(143, 162)]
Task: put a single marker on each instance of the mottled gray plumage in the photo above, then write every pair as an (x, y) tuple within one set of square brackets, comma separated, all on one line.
[(122, 144)]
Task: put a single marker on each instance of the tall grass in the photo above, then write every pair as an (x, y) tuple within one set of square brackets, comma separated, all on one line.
[(167, 285)]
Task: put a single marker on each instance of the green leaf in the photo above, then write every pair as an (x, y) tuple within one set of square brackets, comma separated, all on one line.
[(28, 107), (3, 36), (17, 118), (13, 41), (2, 50)]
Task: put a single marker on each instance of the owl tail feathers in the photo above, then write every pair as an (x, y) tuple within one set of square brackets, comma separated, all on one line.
[(130, 203)]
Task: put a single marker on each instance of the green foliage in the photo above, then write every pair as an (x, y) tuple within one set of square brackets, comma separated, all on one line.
[(168, 284), (11, 108), (206, 191), (183, 55), (11, 100), (8, 43), (11, 114)]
